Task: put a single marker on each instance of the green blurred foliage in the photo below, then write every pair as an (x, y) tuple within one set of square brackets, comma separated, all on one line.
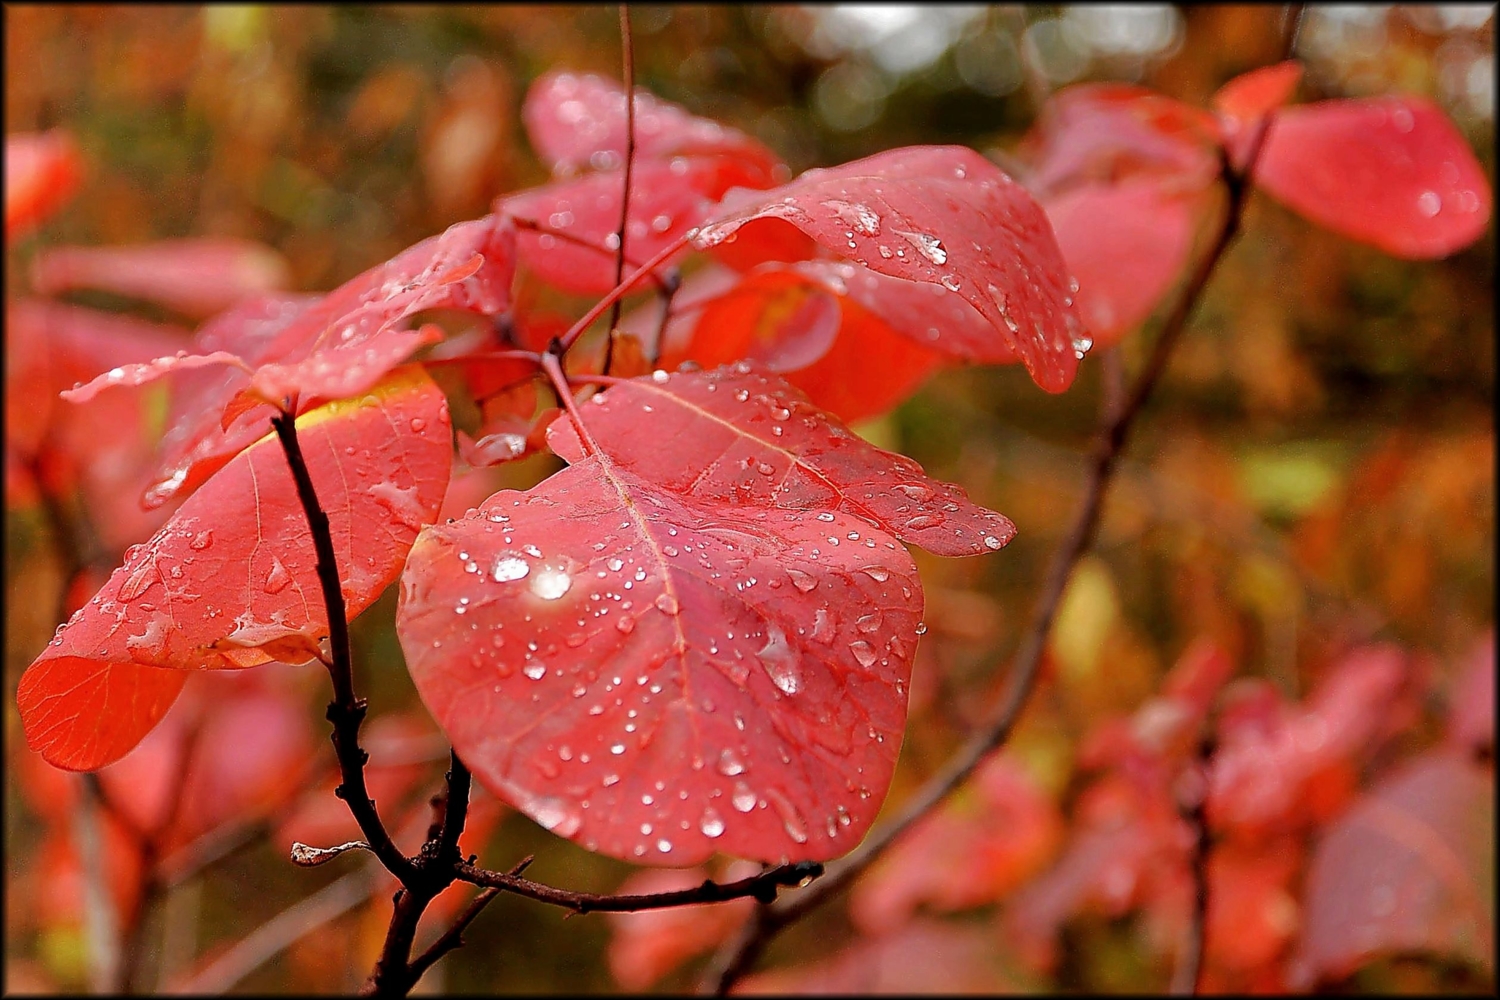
[(1317, 468)]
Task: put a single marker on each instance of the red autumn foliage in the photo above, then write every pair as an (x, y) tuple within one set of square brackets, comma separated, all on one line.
[(698, 637)]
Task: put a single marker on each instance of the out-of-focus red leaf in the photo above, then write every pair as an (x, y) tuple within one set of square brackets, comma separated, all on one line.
[(1268, 765), (196, 277), (741, 436), (1390, 171), (42, 170), (230, 580), (149, 371), (469, 267), (942, 216), (789, 318), (973, 851), (582, 640), (646, 946), (1471, 716), (667, 198), (1411, 867), (1244, 102), (1125, 243), (1105, 132), (1257, 93), (925, 956), (577, 121)]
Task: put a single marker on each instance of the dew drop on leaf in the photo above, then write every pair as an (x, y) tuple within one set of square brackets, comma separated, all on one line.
[(278, 578), (550, 583), (743, 798), (509, 566), (666, 604), (711, 824)]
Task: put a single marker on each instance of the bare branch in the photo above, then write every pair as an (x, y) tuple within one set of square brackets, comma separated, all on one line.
[(762, 887), (627, 49)]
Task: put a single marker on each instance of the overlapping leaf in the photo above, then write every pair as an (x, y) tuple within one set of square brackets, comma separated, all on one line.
[(1125, 243), (661, 678), (1390, 171), (577, 120), (230, 581), (197, 277), (844, 335), (743, 436), (937, 215), (1410, 867), (328, 347)]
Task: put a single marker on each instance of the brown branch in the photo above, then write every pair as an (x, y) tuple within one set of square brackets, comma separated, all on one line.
[(627, 53), (346, 711), (1192, 794), (762, 887), (736, 958)]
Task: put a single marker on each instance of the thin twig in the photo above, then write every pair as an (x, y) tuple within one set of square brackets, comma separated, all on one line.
[(627, 52), (736, 958), (622, 289), (671, 282), (762, 886)]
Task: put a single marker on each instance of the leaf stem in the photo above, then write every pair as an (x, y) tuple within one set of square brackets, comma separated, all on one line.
[(627, 52), (736, 957), (623, 288)]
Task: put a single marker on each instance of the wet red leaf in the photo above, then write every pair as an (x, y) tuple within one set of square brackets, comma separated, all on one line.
[(1391, 171), (197, 277), (742, 436), (42, 170), (585, 640), (1105, 132), (576, 121), (1126, 244), (229, 581), (667, 198), (942, 216), (1410, 867), (1257, 93), (468, 267)]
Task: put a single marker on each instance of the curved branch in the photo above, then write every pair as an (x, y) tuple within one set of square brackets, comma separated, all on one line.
[(762, 887), (736, 958)]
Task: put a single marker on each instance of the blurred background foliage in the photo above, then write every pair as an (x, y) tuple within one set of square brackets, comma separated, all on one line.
[(1317, 469)]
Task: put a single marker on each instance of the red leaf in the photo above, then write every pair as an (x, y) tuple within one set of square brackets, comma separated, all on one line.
[(468, 267), (667, 198), (1409, 868), (1250, 97), (149, 371), (1259, 92), (925, 956), (579, 121), (737, 436), (943, 216), (230, 582), (646, 946), (198, 277), (828, 337), (1391, 171), (42, 170), (583, 640), (1125, 243), (1095, 132), (972, 851)]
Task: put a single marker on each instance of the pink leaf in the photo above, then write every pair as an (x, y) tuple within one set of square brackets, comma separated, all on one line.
[(1125, 243), (230, 581), (198, 277), (1409, 868), (577, 121), (1391, 171), (942, 216), (737, 435), (582, 640)]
